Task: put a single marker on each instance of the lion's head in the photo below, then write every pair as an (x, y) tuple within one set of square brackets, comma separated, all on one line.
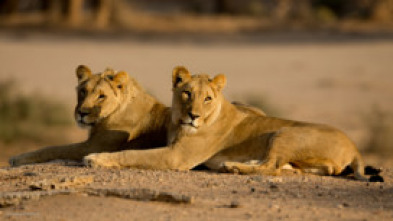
[(196, 99), (100, 95)]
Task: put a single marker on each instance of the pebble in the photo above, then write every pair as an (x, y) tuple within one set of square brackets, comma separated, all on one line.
[(274, 206), (235, 204), (342, 205), (273, 187), (29, 174), (275, 180), (257, 178)]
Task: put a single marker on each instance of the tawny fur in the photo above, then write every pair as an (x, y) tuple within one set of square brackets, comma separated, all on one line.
[(119, 114), (206, 128)]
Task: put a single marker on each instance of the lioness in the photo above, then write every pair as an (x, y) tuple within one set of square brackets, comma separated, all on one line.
[(206, 128), (119, 115)]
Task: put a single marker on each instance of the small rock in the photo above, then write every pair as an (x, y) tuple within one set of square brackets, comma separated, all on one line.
[(257, 178), (274, 206), (273, 187), (29, 174), (342, 205), (61, 183), (235, 204), (275, 180), (252, 189)]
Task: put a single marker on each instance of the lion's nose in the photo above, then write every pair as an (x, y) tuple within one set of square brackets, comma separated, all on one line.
[(83, 113), (193, 116)]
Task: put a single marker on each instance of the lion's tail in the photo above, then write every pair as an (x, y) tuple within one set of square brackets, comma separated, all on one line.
[(359, 170), (357, 165)]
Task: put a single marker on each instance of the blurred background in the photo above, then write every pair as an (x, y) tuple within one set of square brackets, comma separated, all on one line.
[(324, 61)]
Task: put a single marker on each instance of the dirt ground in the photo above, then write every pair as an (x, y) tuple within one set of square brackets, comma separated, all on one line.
[(212, 196), (339, 83)]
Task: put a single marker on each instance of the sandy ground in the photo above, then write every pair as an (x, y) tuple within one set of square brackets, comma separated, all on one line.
[(336, 83), (214, 196)]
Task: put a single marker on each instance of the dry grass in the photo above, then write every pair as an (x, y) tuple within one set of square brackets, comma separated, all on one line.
[(29, 117)]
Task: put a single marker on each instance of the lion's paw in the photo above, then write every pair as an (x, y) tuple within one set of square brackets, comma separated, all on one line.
[(13, 161), (230, 167), (17, 161), (99, 160)]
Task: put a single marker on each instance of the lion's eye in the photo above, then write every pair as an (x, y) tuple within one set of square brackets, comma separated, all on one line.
[(102, 96), (83, 92), (208, 98), (186, 94)]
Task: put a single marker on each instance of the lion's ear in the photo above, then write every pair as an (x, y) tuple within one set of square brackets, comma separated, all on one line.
[(109, 71), (83, 72), (121, 79), (180, 74), (219, 81)]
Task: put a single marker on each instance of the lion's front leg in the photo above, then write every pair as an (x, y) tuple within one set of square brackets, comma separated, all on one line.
[(72, 152), (160, 158), (97, 160), (26, 158)]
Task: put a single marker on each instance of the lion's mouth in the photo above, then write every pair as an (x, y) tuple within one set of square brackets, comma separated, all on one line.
[(189, 124), (82, 122), (85, 123)]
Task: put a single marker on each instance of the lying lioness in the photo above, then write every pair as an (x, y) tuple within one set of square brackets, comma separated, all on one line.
[(206, 128), (119, 115)]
